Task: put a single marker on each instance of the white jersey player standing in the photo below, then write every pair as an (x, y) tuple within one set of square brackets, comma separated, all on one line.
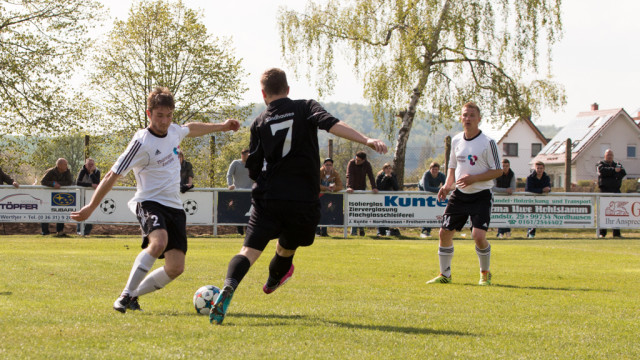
[(152, 154), (474, 163)]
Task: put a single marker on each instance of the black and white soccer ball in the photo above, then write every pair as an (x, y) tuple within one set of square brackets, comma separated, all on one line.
[(190, 207), (204, 298), (108, 206)]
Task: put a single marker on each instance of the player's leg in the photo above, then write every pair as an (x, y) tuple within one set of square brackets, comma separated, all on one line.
[(445, 256), (280, 269), (454, 218), (480, 219)]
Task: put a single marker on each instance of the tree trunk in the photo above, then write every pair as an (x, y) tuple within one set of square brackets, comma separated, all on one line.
[(409, 115)]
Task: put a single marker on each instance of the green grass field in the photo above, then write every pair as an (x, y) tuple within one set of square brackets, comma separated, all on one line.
[(563, 295)]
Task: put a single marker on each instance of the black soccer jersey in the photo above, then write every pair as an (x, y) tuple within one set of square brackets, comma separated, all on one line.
[(284, 159)]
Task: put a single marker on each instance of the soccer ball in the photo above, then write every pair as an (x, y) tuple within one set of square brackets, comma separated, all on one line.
[(108, 206), (204, 298), (190, 206)]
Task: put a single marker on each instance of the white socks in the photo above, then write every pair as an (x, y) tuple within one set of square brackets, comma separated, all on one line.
[(155, 281), (445, 254), (484, 257), (140, 268)]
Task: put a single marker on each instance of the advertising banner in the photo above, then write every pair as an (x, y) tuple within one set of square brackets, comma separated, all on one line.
[(550, 211), (38, 205), (331, 209), (114, 208), (618, 212), (402, 210), (234, 207)]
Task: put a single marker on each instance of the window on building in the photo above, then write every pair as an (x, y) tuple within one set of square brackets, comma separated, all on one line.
[(631, 151), (535, 149), (510, 149)]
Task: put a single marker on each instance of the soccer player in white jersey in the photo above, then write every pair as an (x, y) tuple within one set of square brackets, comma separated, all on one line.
[(153, 156), (474, 163)]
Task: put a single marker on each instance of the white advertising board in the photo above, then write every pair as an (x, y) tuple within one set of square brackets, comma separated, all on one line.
[(550, 211), (618, 212), (38, 205)]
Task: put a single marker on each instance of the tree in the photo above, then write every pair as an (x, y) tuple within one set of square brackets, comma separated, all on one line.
[(41, 44), (429, 56), (163, 43)]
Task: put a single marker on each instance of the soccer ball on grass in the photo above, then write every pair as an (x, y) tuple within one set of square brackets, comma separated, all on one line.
[(204, 298)]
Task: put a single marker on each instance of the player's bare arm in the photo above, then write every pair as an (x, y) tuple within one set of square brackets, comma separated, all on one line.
[(198, 129), (448, 185), (345, 131), (467, 180), (103, 188)]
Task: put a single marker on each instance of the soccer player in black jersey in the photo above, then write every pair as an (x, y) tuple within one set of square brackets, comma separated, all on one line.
[(284, 162)]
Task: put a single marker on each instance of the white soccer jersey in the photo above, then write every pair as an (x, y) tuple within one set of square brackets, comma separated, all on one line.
[(472, 157), (155, 164)]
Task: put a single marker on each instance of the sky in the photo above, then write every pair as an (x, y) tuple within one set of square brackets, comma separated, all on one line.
[(597, 60)]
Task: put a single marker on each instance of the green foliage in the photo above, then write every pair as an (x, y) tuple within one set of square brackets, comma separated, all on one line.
[(164, 43), (42, 43), (552, 298), (428, 57), (629, 186), (50, 149)]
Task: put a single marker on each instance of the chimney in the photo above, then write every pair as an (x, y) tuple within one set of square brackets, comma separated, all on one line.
[(594, 107)]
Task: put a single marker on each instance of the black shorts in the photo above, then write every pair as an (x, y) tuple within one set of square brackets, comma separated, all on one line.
[(292, 222), (461, 206), (153, 216)]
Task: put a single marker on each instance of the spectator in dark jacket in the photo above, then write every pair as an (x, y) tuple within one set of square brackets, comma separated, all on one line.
[(610, 174), (56, 177), (89, 176), (431, 181), (386, 180), (540, 183), (505, 184), (6, 179), (358, 169)]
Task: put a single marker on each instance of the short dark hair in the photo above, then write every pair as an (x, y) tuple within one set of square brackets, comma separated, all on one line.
[(244, 151), (362, 155), (327, 160), (274, 82), (160, 96), (434, 164), (539, 163), (506, 161)]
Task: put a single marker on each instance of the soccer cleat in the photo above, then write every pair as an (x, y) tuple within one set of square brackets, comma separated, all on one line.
[(219, 308), (269, 289), (485, 278), (122, 303), (134, 304), (440, 279)]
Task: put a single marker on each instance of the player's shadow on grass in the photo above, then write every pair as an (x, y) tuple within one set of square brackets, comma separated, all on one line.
[(6, 293), (546, 288), (398, 329), (270, 316)]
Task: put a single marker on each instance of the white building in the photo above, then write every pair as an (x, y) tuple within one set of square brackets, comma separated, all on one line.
[(520, 141), (592, 133)]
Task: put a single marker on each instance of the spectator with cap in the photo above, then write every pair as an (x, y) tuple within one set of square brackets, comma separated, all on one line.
[(329, 182)]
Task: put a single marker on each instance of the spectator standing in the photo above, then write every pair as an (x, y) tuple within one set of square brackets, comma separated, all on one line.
[(610, 174), (431, 181), (505, 184), (386, 180), (238, 177), (89, 176), (329, 182), (186, 173), (540, 183), (358, 170), (6, 179), (56, 177)]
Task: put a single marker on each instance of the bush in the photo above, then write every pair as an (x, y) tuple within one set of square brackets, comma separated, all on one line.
[(629, 186)]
